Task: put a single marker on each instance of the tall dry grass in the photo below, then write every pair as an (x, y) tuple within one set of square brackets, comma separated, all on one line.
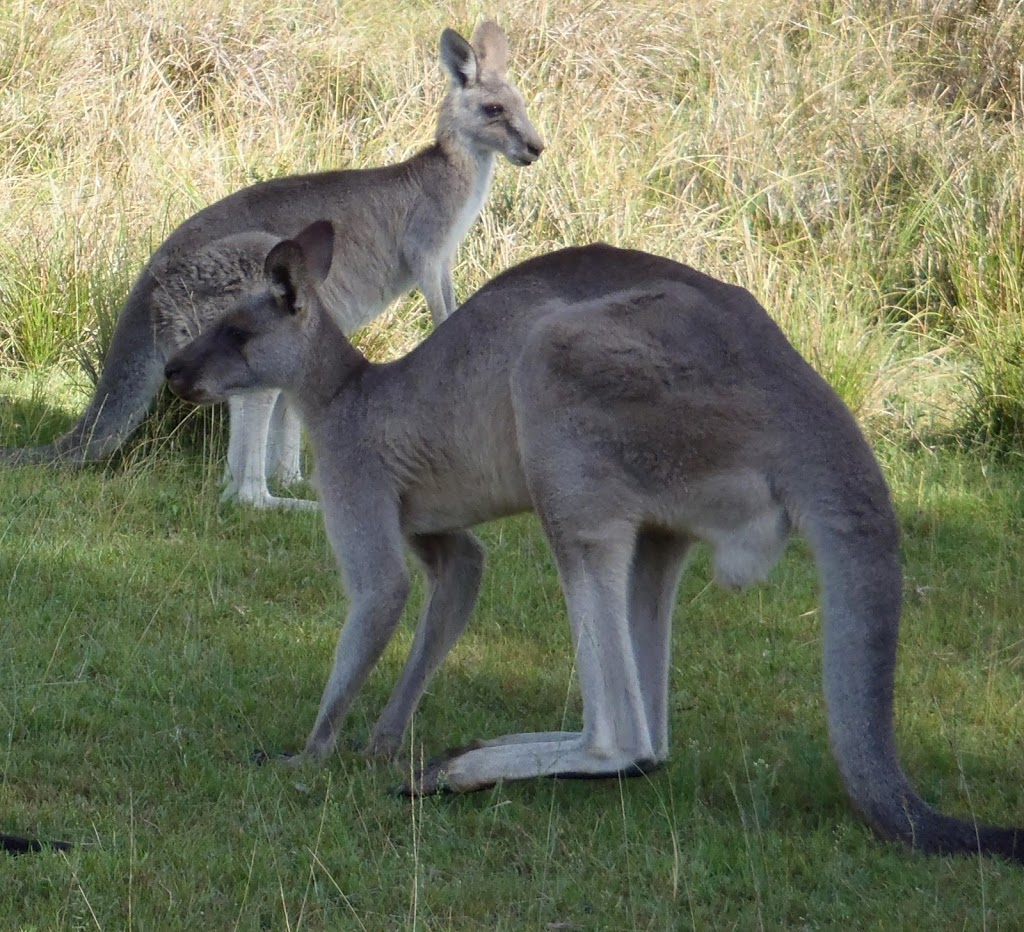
[(856, 164)]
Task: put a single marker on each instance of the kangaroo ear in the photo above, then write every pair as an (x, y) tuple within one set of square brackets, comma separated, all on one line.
[(317, 245), (458, 58), (283, 269), (295, 265), (491, 47)]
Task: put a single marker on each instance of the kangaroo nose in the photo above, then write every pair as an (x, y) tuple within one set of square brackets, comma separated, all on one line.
[(177, 377), (535, 148)]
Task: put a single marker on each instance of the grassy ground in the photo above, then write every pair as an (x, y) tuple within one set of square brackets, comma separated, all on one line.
[(855, 164), (153, 640)]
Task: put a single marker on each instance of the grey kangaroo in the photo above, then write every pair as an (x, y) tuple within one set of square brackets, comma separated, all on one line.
[(639, 407), (403, 224)]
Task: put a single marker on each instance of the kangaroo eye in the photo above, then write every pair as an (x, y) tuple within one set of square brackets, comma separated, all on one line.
[(492, 110)]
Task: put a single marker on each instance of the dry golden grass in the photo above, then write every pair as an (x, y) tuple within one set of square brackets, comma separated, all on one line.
[(854, 164)]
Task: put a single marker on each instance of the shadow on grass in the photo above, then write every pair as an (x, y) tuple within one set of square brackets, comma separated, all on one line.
[(760, 751), (31, 422)]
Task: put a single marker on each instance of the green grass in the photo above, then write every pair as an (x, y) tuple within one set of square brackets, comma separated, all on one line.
[(153, 639), (856, 164)]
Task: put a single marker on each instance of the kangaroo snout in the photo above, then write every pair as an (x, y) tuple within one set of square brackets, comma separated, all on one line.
[(530, 149), (531, 152), (181, 379)]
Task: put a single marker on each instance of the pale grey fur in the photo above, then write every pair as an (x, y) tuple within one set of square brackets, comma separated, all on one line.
[(403, 225), (640, 408)]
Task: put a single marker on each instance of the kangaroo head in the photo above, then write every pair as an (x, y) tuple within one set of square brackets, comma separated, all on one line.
[(265, 339), (483, 108)]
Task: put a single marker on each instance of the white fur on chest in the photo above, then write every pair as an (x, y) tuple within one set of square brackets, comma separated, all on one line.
[(474, 203)]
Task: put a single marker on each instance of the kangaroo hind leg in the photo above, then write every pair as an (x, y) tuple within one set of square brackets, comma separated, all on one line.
[(594, 566), (284, 444), (246, 475), (658, 562)]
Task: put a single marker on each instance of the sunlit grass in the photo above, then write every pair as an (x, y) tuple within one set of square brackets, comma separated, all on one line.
[(153, 640), (843, 161), (856, 165)]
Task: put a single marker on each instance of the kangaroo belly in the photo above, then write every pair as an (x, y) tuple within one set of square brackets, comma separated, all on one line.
[(447, 505), (739, 517)]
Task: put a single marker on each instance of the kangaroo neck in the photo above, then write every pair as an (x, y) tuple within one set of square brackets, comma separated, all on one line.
[(468, 174), (332, 365), (464, 159)]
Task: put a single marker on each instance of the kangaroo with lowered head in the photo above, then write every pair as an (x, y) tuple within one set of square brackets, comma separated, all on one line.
[(403, 224), (640, 408)]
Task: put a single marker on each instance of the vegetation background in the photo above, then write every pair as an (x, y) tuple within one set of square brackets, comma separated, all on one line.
[(856, 164)]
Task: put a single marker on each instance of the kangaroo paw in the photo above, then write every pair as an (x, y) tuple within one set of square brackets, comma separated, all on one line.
[(432, 778)]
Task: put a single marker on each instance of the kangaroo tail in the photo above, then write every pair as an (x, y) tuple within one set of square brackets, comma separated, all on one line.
[(132, 374), (16, 844), (858, 560)]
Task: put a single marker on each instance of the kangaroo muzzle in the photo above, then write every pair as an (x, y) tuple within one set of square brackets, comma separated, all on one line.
[(183, 376)]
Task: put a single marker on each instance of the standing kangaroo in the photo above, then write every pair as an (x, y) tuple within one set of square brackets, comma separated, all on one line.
[(639, 407), (404, 223)]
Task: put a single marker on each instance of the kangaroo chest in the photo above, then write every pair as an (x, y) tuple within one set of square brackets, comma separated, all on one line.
[(473, 204)]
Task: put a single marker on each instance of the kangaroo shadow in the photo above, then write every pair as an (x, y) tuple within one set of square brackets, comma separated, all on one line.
[(29, 422), (35, 421)]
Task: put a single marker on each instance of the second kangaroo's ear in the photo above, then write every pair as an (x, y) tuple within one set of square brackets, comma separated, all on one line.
[(295, 265), (458, 58), (491, 46)]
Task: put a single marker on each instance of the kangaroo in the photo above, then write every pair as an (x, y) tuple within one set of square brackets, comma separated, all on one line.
[(404, 224), (639, 407)]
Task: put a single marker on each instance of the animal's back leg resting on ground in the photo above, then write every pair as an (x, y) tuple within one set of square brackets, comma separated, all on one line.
[(639, 407)]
